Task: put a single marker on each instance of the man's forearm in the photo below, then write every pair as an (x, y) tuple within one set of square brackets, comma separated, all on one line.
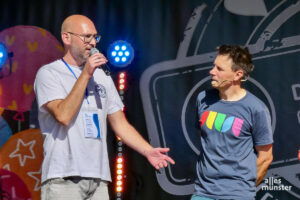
[(262, 168), (263, 161), (65, 110)]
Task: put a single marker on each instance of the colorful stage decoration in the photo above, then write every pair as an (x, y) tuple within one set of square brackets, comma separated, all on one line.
[(20, 165), (30, 47)]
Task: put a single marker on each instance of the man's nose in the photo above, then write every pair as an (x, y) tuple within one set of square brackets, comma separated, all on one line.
[(212, 71), (93, 42)]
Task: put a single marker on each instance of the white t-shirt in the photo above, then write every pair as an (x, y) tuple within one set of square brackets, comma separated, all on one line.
[(67, 152)]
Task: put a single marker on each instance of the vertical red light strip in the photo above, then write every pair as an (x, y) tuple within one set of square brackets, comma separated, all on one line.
[(119, 164)]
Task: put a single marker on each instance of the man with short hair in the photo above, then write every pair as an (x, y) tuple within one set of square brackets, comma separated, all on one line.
[(75, 98), (235, 131)]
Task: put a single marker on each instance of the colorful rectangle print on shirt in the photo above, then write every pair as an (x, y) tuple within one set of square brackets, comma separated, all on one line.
[(221, 122)]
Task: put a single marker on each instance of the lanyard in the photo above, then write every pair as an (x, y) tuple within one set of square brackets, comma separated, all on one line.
[(86, 90)]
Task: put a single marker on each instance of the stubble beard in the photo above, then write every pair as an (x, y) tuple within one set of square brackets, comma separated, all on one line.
[(79, 56)]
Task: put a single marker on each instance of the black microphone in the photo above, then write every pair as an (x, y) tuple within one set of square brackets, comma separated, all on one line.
[(104, 67)]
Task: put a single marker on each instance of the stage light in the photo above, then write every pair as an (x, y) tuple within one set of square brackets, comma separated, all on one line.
[(120, 57), (120, 53), (119, 189), (119, 166), (119, 183), (122, 83), (120, 160), (3, 55), (119, 175), (122, 75), (121, 87)]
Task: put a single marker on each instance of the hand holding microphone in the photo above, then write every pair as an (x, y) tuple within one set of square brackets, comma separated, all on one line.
[(93, 51), (104, 66), (93, 61)]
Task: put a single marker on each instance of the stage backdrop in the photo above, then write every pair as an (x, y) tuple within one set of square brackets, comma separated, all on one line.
[(175, 45)]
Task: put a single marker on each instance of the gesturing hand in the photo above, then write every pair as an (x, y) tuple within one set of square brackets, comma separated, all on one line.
[(158, 159)]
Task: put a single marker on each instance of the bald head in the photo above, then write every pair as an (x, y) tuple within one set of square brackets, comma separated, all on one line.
[(75, 23), (74, 30)]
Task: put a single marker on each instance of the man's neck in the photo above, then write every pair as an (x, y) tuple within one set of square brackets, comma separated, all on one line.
[(71, 60), (234, 93)]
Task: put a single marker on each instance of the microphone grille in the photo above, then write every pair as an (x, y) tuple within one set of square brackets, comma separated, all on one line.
[(94, 50)]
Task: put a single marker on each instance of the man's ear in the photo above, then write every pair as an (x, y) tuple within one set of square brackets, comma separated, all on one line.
[(239, 74), (65, 37)]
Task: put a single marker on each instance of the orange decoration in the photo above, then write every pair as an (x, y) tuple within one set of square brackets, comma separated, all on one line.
[(14, 66), (27, 88), (32, 46), (1, 110), (9, 40), (13, 106), (60, 48), (43, 31), (22, 154)]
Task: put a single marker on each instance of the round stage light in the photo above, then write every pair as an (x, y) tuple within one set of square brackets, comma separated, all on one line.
[(122, 75), (120, 54), (119, 166), (119, 189), (3, 55), (120, 160), (119, 183)]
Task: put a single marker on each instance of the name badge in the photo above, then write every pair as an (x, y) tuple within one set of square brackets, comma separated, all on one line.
[(91, 124)]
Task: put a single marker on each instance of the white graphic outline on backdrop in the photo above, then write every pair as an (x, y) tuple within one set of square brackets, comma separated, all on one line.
[(37, 177), (23, 158), (7, 167)]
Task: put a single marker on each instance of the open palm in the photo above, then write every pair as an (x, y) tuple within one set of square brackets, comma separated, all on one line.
[(158, 158)]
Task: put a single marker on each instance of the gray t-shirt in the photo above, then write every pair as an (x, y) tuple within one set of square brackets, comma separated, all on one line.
[(226, 168)]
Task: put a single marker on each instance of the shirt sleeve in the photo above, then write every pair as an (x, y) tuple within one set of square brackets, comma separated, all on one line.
[(114, 101), (199, 108), (47, 88), (262, 130)]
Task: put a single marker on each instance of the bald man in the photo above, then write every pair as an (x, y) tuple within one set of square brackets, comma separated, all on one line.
[(75, 99)]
